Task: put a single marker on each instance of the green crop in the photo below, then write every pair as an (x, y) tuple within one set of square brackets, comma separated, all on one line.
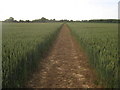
[(100, 41), (23, 46)]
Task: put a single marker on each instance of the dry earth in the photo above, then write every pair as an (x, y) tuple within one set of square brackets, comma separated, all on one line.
[(66, 66)]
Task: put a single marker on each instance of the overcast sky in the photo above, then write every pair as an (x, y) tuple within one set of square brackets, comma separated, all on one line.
[(59, 9)]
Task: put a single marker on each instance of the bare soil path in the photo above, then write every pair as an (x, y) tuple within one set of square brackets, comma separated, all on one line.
[(65, 67)]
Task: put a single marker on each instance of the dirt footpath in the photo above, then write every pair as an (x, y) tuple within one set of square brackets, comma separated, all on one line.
[(65, 67)]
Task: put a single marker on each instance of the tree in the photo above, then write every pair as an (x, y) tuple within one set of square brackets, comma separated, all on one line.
[(43, 19), (21, 21), (27, 21), (11, 19)]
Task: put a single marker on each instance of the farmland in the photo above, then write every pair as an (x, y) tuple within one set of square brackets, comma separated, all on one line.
[(100, 41), (26, 47), (23, 46)]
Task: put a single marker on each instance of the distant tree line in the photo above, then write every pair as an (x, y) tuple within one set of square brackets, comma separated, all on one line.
[(104, 21), (44, 20)]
